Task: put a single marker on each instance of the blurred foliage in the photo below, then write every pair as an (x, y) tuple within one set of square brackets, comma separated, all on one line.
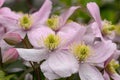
[(110, 9)]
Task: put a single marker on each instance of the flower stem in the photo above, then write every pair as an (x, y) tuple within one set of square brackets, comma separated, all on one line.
[(1, 64)]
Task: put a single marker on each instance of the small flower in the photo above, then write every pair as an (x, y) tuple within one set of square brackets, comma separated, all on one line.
[(12, 38)]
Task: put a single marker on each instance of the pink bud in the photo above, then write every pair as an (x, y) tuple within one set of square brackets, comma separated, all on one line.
[(10, 55), (12, 38)]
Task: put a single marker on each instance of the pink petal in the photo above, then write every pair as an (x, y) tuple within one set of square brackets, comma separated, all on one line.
[(115, 76), (12, 15), (34, 55), (96, 30), (95, 12), (64, 16), (1, 2), (71, 32), (102, 51), (37, 36), (88, 72), (42, 15), (2, 31), (106, 75), (63, 63), (47, 71)]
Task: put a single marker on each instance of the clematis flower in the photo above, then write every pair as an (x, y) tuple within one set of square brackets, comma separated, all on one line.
[(111, 65), (50, 47), (106, 28), (25, 23), (60, 25)]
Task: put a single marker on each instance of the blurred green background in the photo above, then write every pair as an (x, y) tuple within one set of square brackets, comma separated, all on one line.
[(110, 9)]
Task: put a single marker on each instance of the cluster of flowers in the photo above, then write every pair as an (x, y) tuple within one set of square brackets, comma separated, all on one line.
[(63, 46)]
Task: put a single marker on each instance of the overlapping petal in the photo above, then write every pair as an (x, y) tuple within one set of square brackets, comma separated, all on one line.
[(34, 55), (62, 63), (88, 72), (102, 51)]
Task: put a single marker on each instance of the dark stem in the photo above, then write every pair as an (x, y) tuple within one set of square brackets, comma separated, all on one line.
[(1, 64), (37, 70)]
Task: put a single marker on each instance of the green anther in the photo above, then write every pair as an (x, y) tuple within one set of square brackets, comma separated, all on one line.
[(26, 22), (53, 22), (108, 28), (52, 41), (112, 66), (81, 51)]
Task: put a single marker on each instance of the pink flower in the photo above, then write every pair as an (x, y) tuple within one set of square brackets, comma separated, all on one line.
[(105, 27), (23, 24), (111, 66), (53, 46)]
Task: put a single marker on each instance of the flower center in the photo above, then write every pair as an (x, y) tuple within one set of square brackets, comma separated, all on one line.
[(52, 41), (108, 28), (53, 22), (26, 22), (81, 51), (112, 66)]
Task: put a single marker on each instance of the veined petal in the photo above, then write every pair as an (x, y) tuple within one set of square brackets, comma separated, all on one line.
[(88, 72), (71, 32), (37, 36), (95, 12), (34, 55), (64, 16), (115, 76), (96, 30), (63, 63), (47, 71), (102, 51), (1, 2), (42, 15)]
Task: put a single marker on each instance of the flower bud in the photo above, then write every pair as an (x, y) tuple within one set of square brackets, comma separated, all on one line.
[(10, 55), (12, 38)]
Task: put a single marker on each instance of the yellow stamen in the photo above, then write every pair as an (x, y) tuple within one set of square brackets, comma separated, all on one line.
[(26, 22), (81, 51), (108, 28), (112, 66), (52, 41), (53, 22)]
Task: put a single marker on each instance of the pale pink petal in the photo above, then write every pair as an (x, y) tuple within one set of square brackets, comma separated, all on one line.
[(106, 75), (63, 63), (1, 2), (64, 16), (115, 76), (96, 30), (42, 15), (47, 71), (89, 37), (88, 72), (34, 55), (102, 51), (2, 31), (12, 15), (9, 24), (37, 36), (71, 32), (95, 12)]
